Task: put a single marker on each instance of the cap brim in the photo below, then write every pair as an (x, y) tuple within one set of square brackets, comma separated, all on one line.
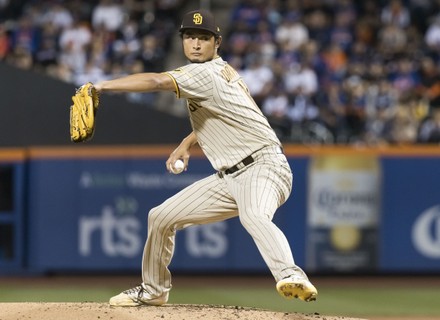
[(199, 28)]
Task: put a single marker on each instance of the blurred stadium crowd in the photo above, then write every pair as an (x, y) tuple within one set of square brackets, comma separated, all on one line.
[(323, 71)]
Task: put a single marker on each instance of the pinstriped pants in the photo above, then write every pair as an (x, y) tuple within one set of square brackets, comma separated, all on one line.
[(252, 193)]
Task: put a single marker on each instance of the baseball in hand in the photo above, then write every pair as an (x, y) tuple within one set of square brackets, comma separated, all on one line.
[(178, 167)]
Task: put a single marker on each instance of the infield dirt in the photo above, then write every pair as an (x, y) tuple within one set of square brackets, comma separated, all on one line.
[(102, 311)]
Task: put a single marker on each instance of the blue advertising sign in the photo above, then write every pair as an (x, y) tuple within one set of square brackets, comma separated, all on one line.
[(369, 214), (92, 215), (411, 215)]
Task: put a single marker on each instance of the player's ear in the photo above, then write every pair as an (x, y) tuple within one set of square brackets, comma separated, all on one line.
[(218, 42)]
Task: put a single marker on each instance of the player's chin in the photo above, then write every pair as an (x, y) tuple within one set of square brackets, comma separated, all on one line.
[(198, 59)]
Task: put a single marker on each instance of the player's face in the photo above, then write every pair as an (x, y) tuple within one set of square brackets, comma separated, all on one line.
[(198, 45)]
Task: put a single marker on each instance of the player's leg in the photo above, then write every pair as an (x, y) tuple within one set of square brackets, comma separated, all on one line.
[(259, 191), (204, 201)]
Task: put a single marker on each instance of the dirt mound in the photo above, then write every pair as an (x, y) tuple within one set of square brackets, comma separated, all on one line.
[(102, 311)]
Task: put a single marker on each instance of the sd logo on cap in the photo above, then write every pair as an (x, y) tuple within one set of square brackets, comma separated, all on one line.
[(198, 18)]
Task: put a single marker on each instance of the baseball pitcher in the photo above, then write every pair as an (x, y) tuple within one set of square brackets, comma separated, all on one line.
[(252, 177)]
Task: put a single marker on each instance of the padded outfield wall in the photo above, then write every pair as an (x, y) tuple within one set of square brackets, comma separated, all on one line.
[(84, 209)]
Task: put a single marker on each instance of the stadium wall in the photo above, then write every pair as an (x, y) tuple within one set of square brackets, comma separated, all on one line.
[(84, 209)]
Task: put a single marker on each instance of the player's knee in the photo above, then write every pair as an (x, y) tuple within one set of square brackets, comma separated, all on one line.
[(245, 222), (153, 216), (248, 221), (157, 219)]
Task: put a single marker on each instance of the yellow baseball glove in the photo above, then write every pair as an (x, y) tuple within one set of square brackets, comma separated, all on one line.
[(83, 113)]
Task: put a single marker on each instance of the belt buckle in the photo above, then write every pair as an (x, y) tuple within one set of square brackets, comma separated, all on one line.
[(243, 163)]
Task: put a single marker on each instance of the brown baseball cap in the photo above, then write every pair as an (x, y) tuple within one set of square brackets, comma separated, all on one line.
[(200, 19)]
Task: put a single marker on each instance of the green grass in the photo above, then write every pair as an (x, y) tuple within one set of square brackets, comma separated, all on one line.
[(332, 301), (70, 294), (357, 302)]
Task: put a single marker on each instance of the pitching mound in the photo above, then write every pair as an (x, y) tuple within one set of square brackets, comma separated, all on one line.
[(102, 311)]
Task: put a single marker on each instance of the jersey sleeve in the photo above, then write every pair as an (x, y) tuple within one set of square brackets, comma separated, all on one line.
[(193, 81)]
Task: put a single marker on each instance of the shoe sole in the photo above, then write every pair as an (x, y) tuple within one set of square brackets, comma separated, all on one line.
[(124, 304), (291, 290), (127, 302)]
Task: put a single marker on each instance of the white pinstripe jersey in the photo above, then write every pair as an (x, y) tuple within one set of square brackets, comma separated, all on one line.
[(227, 122)]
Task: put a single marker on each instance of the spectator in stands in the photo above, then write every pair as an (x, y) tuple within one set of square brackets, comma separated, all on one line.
[(248, 13), (99, 50), (300, 78), (330, 103), (291, 34), (392, 40), (432, 36), (108, 14), (396, 13), (239, 41), (151, 54), (258, 77), (127, 45), (276, 108), (319, 25), (429, 86), (47, 51), (310, 54), (402, 128), (368, 17), (377, 73), (74, 42), (353, 118), (272, 12), (335, 62), (430, 128), (302, 108), (265, 41), (24, 36), (380, 109), (342, 30), (406, 77), (58, 16)]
